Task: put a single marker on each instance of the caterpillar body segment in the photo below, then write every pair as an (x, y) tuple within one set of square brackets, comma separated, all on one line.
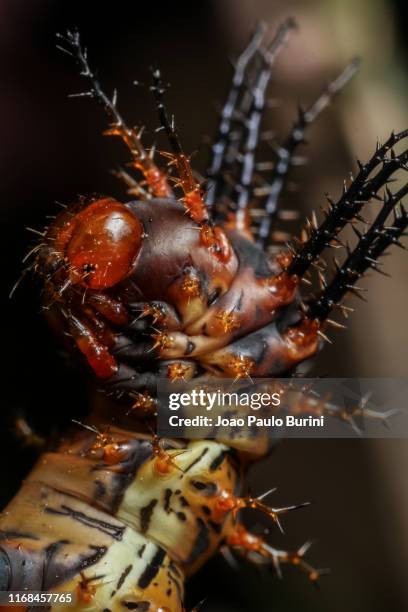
[(68, 545), (93, 516), (180, 284), (103, 513)]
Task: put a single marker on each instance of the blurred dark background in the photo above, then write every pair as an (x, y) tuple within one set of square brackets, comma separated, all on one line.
[(53, 150)]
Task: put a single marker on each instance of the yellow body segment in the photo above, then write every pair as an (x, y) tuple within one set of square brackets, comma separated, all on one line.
[(119, 535)]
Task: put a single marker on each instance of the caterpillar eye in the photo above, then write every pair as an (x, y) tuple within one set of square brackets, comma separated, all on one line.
[(101, 244)]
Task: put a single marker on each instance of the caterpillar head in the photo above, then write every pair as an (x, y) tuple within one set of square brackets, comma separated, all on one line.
[(94, 247)]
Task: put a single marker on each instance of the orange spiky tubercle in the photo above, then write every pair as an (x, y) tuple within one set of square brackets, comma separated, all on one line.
[(143, 403), (212, 237), (226, 501), (240, 366), (249, 544), (193, 194), (156, 180), (178, 371)]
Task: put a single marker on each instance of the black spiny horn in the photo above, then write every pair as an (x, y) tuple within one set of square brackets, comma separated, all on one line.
[(347, 208), (370, 247), (242, 111), (285, 154), (220, 145)]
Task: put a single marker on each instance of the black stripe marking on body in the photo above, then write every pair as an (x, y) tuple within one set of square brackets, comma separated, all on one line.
[(151, 569), (10, 535), (115, 531), (201, 543), (184, 502), (146, 515), (215, 463), (141, 550), (123, 576), (204, 452), (206, 488), (99, 489), (175, 577), (140, 606), (100, 551), (167, 496)]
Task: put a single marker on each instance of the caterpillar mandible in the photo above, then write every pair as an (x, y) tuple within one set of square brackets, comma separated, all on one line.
[(168, 286)]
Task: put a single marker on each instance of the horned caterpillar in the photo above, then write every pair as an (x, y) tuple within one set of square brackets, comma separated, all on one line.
[(179, 287)]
